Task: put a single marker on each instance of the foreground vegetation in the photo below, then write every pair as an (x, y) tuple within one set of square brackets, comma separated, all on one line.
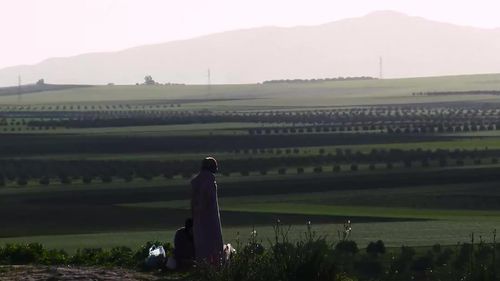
[(312, 257)]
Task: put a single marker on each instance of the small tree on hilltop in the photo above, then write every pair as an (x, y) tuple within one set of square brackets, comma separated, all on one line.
[(148, 80)]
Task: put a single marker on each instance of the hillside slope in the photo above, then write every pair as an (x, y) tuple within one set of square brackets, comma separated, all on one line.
[(410, 47)]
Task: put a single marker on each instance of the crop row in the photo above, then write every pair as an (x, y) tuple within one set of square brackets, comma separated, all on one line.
[(89, 170)]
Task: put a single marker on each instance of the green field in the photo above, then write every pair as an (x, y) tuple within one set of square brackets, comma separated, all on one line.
[(259, 96), (420, 204)]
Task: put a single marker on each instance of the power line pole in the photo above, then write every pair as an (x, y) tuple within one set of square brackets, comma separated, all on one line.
[(19, 90), (209, 81), (381, 69)]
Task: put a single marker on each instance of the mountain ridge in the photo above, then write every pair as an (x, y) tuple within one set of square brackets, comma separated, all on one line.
[(410, 46)]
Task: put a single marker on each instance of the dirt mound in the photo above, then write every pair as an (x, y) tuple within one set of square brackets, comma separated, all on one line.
[(61, 273)]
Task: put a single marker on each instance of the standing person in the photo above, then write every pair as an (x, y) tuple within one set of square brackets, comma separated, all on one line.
[(205, 210)]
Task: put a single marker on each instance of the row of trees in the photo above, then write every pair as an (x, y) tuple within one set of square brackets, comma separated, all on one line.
[(387, 128), (16, 110), (427, 121), (318, 80), (22, 171)]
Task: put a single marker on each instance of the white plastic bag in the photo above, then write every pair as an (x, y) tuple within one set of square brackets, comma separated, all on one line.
[(156, 257)]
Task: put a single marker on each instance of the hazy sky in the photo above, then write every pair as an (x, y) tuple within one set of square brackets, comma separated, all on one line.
[(33, 30)]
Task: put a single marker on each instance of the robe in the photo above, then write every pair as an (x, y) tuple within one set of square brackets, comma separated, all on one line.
[(207, 232)]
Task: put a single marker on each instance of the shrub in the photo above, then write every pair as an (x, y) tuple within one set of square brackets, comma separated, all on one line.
[(106, 179), (375, 248), (22, 181), (346, 247), (54, 257), (44, 180), (21, 253), (87, 179), (90, 257), (128, 177), (354, 167), (65, 179), (121, 256)]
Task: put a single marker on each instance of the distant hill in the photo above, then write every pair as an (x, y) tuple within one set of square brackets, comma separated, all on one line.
[(409, 46)]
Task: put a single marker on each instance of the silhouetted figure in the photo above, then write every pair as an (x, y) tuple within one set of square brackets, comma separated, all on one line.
[(184, 245), (206, 218)]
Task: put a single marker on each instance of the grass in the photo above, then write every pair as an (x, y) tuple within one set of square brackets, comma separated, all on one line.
[(363, 211), (401, 206), (411, 233), (274, 95), (463, 143)]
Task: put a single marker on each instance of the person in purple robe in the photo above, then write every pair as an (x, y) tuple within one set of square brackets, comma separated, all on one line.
[(207, 232)]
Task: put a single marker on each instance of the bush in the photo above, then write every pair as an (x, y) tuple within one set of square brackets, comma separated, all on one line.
[(65, 179), (346, 247), (354, 167), (54, 257), (128, 177), (375, 248), (22, 181), (44, 181), (87, 179), (21, 253), (336, 168), (90, 257), (121, 256), (106, 179)]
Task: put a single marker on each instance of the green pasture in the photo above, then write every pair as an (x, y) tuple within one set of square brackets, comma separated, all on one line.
[(394, 234), (402, 206), (462, 143), (254, 96), (167, 130), (382, 213)]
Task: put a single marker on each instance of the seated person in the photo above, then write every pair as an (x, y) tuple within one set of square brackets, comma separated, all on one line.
[(184, 245)]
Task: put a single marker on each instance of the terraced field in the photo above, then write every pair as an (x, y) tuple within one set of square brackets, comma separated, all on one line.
[(103, 166)]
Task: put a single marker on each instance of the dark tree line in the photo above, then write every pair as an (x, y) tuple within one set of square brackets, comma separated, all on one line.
[(318, 80), (105, 170)]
